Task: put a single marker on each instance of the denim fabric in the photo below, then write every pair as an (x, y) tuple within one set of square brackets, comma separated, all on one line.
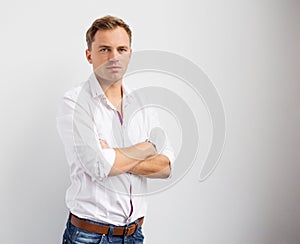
[(74, 235)]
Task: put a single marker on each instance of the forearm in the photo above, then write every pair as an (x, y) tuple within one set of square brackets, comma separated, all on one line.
[(130, 157), (157, 166)]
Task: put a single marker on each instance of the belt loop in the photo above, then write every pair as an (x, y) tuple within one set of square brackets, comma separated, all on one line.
[(110, 233), (137, 222)]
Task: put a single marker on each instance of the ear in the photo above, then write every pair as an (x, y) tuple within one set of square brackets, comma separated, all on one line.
[(88, 56), (130, 53)]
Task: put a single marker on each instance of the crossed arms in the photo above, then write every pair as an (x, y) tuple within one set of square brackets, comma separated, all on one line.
[(79, 135), (140, 159)]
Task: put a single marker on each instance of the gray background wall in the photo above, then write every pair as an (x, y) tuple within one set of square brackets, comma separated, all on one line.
[(249, 49)]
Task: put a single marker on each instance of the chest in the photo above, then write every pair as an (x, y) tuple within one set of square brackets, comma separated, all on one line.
[(121, 131)]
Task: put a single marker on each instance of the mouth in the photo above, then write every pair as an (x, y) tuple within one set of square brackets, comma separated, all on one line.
[(114, 68)]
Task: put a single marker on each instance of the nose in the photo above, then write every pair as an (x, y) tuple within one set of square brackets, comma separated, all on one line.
[(113, 56)]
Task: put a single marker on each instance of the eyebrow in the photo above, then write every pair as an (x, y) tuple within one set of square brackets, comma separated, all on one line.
[(106, 46), (100, 46)]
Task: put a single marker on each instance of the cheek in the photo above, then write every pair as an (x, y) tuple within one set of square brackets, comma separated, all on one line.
[(99, 60), (125, 59)]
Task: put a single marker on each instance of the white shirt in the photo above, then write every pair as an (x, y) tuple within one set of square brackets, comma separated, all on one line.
[(85, 117)]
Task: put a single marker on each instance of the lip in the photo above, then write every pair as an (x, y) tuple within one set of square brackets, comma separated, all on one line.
[(114, 67)]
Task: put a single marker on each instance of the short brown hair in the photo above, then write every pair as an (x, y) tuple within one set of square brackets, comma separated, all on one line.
[(105, 23)]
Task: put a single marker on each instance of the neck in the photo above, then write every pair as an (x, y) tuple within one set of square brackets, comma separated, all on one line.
[(113, 91)]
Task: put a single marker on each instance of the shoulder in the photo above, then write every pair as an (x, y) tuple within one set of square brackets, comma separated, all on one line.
[(76, 92)]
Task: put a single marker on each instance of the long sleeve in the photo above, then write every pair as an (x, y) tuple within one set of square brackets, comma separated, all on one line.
[(158, 136), (78, 133)]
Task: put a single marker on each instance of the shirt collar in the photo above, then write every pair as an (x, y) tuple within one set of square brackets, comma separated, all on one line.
[(96, 89)]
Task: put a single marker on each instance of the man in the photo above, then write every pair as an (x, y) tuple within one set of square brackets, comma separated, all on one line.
[(110, 150)]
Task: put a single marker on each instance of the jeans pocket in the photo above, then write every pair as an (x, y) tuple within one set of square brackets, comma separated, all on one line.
[(138, 236), (84, 237), (74, 235)]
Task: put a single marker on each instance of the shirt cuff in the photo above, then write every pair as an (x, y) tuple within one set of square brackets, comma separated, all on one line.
[(105, 165), (170, 155)]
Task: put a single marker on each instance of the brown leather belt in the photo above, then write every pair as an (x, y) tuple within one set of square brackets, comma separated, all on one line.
[(103, 229)]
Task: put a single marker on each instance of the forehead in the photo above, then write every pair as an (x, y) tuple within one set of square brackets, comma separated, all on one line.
[(114, 37)]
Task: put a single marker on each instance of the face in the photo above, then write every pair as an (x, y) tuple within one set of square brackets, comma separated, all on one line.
[(110, 54)]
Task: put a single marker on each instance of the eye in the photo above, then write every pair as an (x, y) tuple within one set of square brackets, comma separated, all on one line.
[(123, 49), (103, 50)]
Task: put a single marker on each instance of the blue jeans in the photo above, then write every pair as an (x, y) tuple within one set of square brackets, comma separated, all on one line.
[(74, 235)]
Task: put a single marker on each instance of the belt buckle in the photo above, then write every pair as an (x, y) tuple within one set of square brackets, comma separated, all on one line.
[(125, 230)]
